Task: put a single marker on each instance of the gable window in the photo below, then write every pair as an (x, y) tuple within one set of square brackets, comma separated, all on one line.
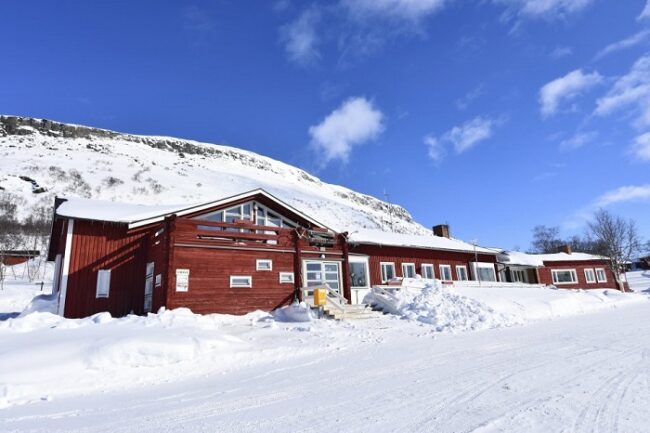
[(445, 273), (248, 212), (103, 283), (408, 270), (564, 276), (286, 277), (387, 271), (461, 273), (427, 271), (241, 281), (264, 265), (590, 276), (601, 276)]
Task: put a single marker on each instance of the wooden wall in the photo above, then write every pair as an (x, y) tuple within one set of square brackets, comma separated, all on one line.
[(399, 255), (546, 277)]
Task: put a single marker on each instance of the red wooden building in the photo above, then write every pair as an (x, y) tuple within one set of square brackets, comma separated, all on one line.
[(16, 257), (234, 255), (565, 269)]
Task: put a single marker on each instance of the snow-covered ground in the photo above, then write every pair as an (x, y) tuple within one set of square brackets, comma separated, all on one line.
[(176, 371), (639, 280)]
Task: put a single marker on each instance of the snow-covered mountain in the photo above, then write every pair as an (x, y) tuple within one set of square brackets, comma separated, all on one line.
[(40, 159)]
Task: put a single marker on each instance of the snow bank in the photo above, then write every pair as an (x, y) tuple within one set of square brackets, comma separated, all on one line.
[(429, 302), (298, 312), (526, 303)]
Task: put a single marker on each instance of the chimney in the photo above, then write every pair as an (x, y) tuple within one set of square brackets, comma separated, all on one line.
[(441, 230), (565, 249)]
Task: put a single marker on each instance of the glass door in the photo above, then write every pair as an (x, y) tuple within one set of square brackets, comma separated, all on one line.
[(318, 273)]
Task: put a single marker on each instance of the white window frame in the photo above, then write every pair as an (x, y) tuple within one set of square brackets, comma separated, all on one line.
[(290, 280), (258, 262), (381, 268), (366, 265), (604, 279), (103, 289), (464, 268), (408, 264), (424, 266), (451, 276), (591, 280), (573, 272), (237, 285)]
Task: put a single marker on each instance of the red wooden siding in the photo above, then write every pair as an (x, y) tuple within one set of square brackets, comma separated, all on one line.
[(95, 246), (546, 276), (399, 255)]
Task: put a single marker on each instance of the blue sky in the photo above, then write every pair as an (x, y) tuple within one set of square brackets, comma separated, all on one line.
[(491, 115)]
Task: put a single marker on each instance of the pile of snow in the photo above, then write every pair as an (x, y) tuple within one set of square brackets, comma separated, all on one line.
[(429, 302), (528, 303), (297, 312), (639, 280)]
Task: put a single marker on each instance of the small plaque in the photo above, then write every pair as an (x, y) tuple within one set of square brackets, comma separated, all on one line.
[(182, 280)]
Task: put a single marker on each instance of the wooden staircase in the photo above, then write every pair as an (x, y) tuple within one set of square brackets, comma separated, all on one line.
[(336, 306)]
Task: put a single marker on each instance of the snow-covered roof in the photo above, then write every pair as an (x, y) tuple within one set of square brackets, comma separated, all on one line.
[(537, 260), (378, 237), (140, 215)]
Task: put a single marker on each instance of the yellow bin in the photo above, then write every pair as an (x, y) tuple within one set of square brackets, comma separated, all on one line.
[(320, 297)]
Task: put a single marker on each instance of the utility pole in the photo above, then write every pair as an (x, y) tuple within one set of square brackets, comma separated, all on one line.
[(390, 208)]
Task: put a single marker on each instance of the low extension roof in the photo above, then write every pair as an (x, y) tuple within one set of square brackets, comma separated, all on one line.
[(378, 237), (537, 260)]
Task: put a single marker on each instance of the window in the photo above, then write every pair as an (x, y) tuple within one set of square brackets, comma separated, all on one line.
[(518, 276), (408, 270), (590, 276), (286, 277), (483, 271), (601, 276), (264, 265), (445, 273), (564, 276), (359, 274), (461, 272), (319, 273), (103, 283), (427, 271), (241, 281), (387, 271)]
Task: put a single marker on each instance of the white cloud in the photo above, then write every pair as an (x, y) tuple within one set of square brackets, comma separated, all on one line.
[(464, 102), (353, 123), (629, 42), (623, 194), (410, 10), (578, 140), (300, 37), (560, 52), (646, 12), (641, 147), (467, 135), (549, 9), (565, 88), (436, 149), (631, 91)]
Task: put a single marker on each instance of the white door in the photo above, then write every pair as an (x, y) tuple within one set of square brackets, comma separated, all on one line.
[(321, 272), (359, 278), (148, 288)]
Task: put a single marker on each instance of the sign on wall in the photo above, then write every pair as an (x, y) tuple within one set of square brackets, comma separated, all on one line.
[(158, 280), (182, 280)]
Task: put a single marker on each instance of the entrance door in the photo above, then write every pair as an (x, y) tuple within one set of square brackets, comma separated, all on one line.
[(148, 288), (317, 273)]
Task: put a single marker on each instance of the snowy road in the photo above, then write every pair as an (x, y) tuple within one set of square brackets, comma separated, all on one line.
[(588, 373)]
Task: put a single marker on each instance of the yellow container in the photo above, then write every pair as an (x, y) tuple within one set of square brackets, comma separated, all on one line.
[(320, 297)]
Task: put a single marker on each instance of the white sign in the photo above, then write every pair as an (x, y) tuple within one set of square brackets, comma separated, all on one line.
[(158, 280), (182, 280)]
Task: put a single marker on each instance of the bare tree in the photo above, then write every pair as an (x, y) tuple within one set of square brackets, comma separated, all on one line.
[(546, 240), (615, 238)]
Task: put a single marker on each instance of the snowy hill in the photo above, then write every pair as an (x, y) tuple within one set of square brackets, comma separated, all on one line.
[(40, 159)]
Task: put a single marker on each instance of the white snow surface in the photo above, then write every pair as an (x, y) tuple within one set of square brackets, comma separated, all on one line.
[(537, 260), (178, 371), (379, 237), (164, 171), (639, 280)]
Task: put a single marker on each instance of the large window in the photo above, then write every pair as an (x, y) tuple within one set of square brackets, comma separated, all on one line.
[(519, 275), (564, 276), (427, 271), (461, 273), (387, 271), (590, 276), (484, 271), (319, 273), (103, 283), (445, 273), (601, 276), (247, 212), (359, 274), (408, 270)]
